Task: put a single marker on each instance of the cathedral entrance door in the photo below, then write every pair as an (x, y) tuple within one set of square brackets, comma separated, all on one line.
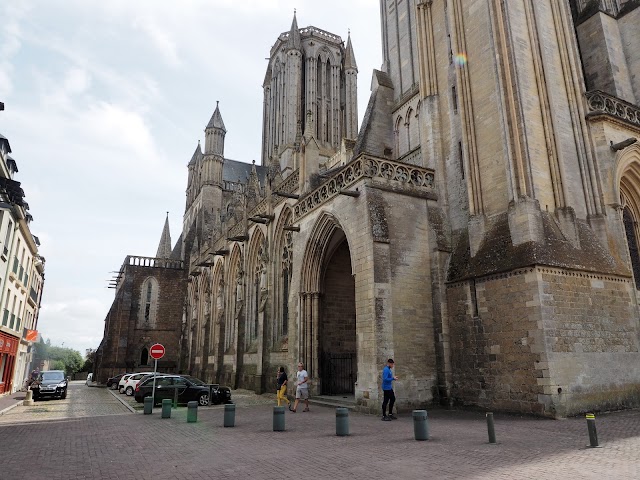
[(337, 332)]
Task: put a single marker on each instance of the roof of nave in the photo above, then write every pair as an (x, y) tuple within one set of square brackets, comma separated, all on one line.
[(235, 171)]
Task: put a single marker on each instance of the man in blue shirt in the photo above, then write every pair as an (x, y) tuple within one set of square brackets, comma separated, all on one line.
[(387, 390)]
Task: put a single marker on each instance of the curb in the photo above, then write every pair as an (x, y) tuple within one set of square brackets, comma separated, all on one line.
[(131, 409), (11, 407)]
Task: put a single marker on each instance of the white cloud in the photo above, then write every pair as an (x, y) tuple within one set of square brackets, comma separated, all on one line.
[(160, 38)]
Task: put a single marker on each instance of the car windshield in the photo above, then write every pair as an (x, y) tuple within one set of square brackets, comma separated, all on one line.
[(52, 376)]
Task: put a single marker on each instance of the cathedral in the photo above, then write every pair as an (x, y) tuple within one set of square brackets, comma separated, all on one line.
[(480, 227)]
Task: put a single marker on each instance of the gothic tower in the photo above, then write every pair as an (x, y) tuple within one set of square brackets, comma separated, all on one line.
[(204, 184), (310, 70)]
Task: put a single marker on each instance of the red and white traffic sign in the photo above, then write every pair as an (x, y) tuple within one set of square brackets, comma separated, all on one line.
[(157, 351)]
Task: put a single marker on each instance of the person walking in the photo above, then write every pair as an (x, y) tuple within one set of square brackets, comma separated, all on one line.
[(387, 390), (302, 389), (282, 387)]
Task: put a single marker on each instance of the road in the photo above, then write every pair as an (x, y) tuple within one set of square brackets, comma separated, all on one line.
[(92, 435)]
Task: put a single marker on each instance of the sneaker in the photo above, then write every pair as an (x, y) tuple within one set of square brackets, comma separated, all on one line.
[(386, 419), (393, 417)]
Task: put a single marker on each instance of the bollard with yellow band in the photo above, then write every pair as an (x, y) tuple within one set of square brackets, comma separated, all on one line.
[(591, 427)]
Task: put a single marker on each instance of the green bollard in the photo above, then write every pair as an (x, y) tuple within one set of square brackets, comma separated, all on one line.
[(420, 426), (166, 408), (278, 419), (229, 415), (593, 434), (148, 405), (192, 412), (491, 429), (342, 422)]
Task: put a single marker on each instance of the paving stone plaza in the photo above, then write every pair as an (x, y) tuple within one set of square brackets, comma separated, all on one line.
[(92, 434)]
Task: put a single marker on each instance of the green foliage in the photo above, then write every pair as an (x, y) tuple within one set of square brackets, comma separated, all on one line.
[(58, 365), (60, 358), (89, 361)]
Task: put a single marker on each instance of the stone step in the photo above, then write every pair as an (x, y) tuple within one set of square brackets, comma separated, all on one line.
[(333, 402)]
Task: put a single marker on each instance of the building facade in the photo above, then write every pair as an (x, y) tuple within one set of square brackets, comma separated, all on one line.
[(481, 226), (21, 278)]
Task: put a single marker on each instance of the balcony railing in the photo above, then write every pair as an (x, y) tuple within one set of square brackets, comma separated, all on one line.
[(601, 103)]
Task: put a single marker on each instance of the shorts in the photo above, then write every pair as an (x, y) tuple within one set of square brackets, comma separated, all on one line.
[(302, 393)]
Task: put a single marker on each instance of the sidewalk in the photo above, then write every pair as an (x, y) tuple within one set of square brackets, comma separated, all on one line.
[(7, 402)]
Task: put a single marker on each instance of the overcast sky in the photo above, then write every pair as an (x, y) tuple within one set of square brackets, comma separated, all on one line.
[(105, 102)]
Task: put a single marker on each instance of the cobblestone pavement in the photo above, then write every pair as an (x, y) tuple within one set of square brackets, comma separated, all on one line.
[(136, 446), (81, 401)]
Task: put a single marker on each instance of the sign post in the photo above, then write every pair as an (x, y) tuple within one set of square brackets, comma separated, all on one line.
[(156, 352)]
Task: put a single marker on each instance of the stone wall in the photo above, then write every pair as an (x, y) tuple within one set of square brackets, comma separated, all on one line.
[(124, 339), (545, 341), (591, 332)]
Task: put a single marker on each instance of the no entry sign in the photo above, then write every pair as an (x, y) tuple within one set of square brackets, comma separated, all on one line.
[(157, 351)]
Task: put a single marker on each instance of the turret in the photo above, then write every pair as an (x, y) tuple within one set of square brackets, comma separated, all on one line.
[(351, 87), (214, 134)]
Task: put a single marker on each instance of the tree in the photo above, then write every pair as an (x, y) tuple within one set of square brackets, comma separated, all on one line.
[(59, 358), (89, 361)]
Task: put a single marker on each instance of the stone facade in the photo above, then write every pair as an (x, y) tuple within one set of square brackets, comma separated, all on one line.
[(481, 228), (147, 309)]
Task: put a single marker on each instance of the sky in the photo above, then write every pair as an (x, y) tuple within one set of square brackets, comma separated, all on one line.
[(105, 102)]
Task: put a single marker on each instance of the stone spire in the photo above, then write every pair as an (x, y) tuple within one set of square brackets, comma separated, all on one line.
[(214, 134), (216, 119), (349, 57), (294, 42), (197, 154), (164, 249)]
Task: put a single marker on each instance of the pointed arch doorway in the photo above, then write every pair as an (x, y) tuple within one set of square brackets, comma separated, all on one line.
[(329, 340)]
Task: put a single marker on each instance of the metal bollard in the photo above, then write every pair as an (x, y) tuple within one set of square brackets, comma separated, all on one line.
[(591, 427), (490, 428), (166, 408), (148, 405), (230, 415), (342, 422), (420, 425), (278, 419), (192, 412)]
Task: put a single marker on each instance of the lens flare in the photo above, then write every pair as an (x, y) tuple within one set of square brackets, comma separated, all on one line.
[(460, 59)]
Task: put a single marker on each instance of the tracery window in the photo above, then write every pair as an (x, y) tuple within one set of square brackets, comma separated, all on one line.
[(148, 302), (287, 269)]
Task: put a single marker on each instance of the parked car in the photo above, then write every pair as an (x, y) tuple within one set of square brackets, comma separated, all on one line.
[(89, 379), (52, 383), (186, 388), (132, 381), (113, 381), (123, 380)]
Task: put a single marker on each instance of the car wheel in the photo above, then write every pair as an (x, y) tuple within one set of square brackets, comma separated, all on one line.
[(129, 391), (121, 389), (64, 395), (203, 400), (114, 386)]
